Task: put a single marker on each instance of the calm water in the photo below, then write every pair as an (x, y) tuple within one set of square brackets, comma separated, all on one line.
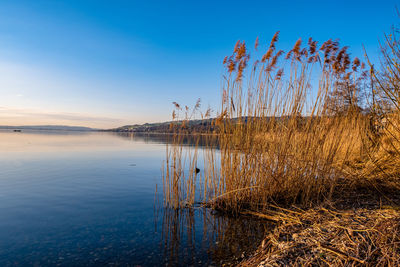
[(88, 199)]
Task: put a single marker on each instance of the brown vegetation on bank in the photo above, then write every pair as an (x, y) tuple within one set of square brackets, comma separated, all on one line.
[(326, 237)]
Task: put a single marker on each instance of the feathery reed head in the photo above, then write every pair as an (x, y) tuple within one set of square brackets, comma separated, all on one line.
[(235, 49), (267, 55), (241, 51), (296, 48), (225, 60), (279, 74), (274, 40), (177, 106), (256, 44), (312, 46), (356, 64)]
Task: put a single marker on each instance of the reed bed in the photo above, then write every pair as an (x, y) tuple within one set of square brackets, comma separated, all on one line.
[(279, 138), (383, 166), (296, 132), (179, 187)]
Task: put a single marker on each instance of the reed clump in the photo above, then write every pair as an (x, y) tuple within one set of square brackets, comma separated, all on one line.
[(297, 131), (180, 170), (383, 165), (283, 136)]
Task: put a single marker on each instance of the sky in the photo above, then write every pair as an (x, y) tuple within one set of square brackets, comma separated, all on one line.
[(105, 64)]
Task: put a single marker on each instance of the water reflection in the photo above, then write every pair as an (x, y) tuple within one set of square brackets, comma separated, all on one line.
[(225, 240), (200, 236), (87, 199), (158, 138)]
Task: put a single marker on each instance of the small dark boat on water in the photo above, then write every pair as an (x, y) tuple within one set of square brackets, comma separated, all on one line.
[(17, 131)]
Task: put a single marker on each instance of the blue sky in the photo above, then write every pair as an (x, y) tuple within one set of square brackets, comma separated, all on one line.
[(109, 63)]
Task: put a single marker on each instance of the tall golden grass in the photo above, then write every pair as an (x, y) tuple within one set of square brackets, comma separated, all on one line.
[(383, 165), (285, 136)]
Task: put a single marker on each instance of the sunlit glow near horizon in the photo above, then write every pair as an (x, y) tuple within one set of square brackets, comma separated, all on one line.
[(105, 64)]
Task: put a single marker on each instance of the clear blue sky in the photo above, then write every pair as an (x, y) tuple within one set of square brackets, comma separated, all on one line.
[(109, 63)]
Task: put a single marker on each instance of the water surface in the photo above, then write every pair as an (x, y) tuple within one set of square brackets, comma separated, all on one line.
[(88, 199)]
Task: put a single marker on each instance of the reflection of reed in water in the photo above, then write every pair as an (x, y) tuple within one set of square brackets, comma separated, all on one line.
[(178, 226), (201, 237)]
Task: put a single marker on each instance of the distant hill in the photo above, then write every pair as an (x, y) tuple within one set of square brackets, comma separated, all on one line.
[(192, 126), (165, 127), (48, 128)]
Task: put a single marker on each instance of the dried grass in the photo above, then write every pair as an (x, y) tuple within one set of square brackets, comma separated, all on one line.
[(327, 237)]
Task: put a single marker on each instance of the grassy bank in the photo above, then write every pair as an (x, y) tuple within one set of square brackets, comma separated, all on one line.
[(295, 130)]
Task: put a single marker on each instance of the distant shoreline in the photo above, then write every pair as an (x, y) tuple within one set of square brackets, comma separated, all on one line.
[(49, 128)]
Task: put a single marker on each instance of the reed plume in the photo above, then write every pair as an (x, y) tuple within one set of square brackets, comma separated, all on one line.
[(279, 138)]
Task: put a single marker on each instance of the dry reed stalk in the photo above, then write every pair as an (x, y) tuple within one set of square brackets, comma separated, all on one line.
[(276, 143), (180, 175)]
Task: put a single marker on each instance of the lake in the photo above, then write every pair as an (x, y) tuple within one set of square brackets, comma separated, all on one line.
[(90, 199)]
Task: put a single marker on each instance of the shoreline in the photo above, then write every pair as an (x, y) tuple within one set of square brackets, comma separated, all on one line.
[(359, 229)]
